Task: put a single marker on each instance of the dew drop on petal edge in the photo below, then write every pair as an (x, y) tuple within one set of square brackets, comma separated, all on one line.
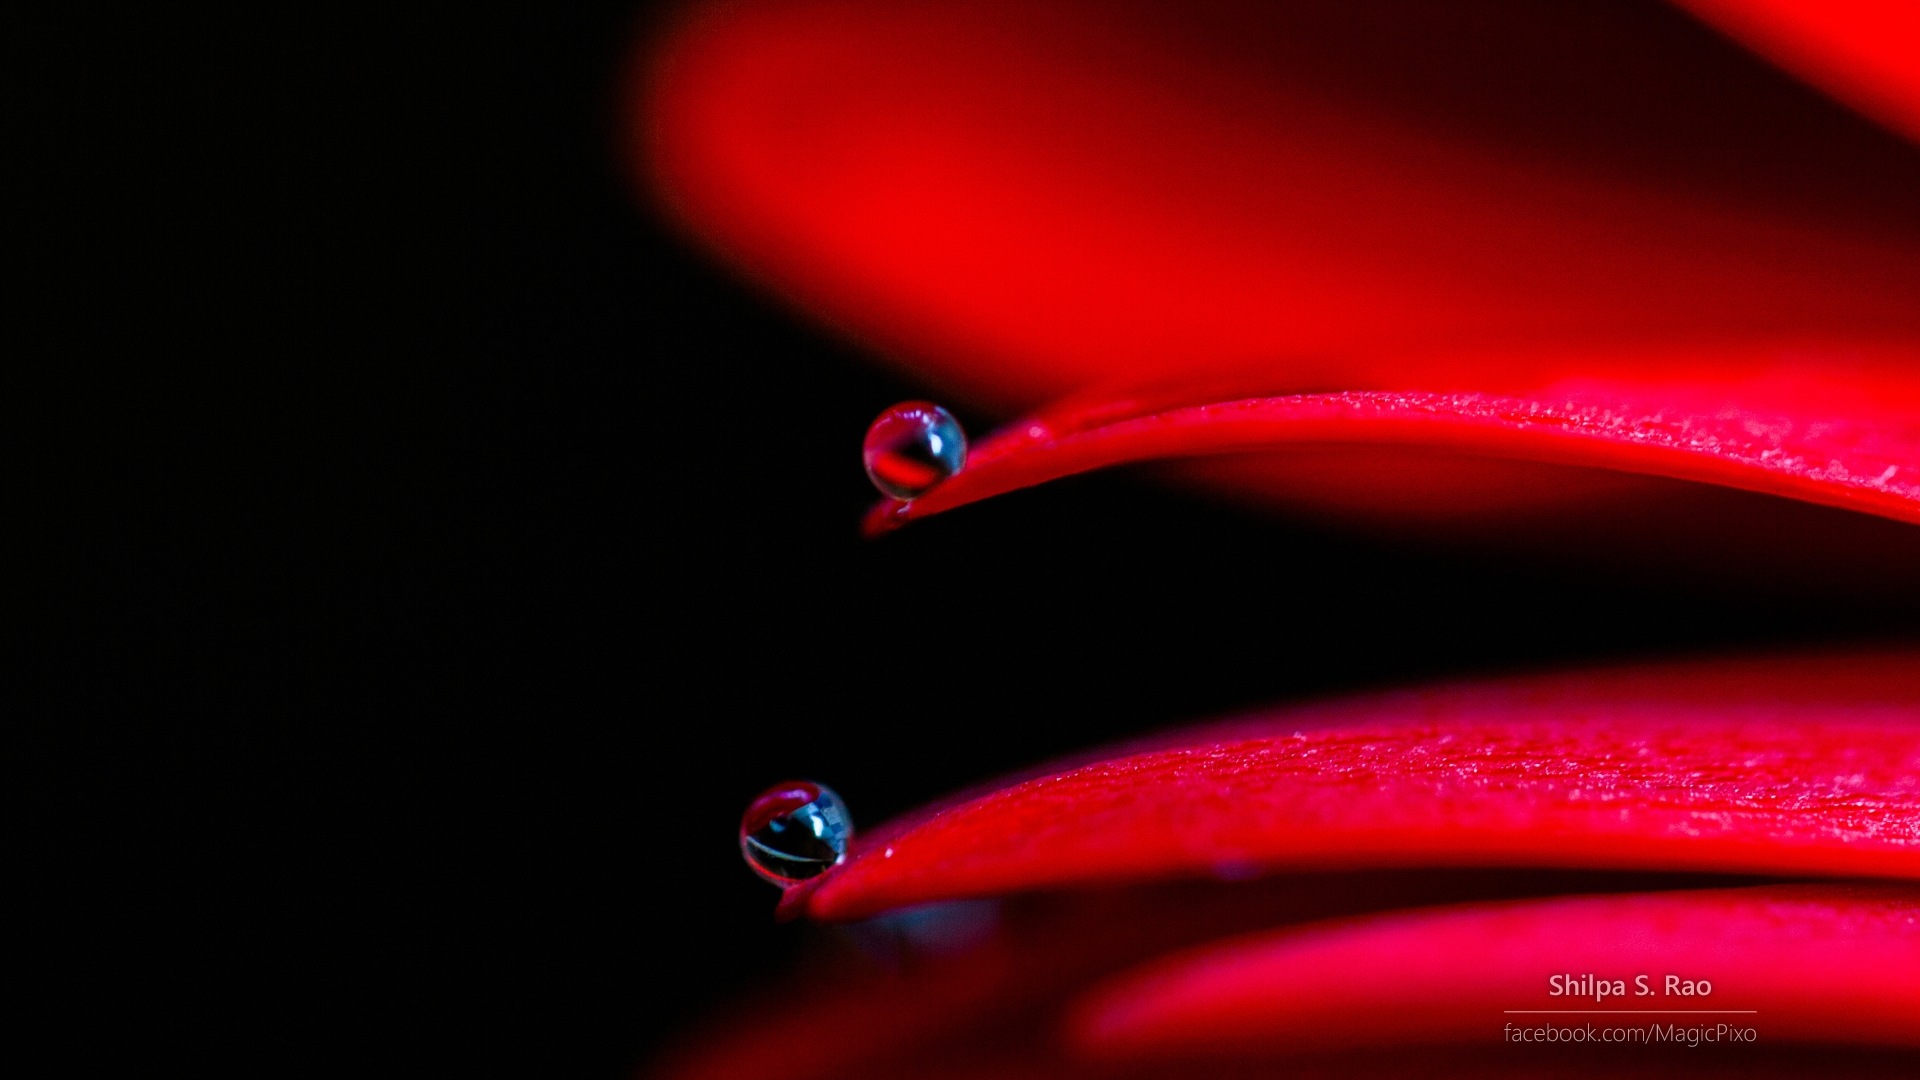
[(795, 831), (913, 447)]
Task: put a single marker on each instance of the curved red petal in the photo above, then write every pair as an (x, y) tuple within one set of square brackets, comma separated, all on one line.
[(1819, 963), (1021, 200), (1834, 428), (1025, 958), (1807, 766), (1866, 52), (1011, 1001)]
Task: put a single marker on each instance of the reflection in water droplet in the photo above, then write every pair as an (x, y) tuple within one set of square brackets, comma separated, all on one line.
[(795, 831), (912, 447)]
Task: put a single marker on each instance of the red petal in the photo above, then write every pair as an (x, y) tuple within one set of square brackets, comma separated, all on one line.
[(1040, 952), (1836, 964), (1866, 52), (1005, 1004), (1024, 199), (1809, 766), (1841, 430)]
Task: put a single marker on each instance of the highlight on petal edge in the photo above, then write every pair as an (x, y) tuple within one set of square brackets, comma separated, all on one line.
[(1805, 766), (1840, 430)]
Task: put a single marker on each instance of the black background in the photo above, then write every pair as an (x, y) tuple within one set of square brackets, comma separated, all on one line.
[(495, 546)]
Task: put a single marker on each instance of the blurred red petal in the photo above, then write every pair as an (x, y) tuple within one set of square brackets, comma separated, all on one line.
[(1002, 992), (1774, 766), (1048, 992), (1866, 52), (1794, 963), (1021, 200)]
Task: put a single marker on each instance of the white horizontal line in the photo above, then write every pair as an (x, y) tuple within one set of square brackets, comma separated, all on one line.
[(1691, 1012), (1661, 1011)]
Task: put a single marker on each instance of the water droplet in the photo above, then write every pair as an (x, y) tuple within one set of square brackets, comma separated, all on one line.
[(795, 831), (913, 447)]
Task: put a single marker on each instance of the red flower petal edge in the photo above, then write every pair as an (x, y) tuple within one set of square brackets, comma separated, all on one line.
[(1821, 963), (1839, 429), (1866, 52), (1787, 767)]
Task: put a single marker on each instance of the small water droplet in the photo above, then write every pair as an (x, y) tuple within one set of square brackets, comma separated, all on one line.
[(913, 447), (795, 831)]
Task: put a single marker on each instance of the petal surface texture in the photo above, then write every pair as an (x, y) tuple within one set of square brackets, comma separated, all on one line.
[(1821, 963), (1806, 766), (1841, 431)]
